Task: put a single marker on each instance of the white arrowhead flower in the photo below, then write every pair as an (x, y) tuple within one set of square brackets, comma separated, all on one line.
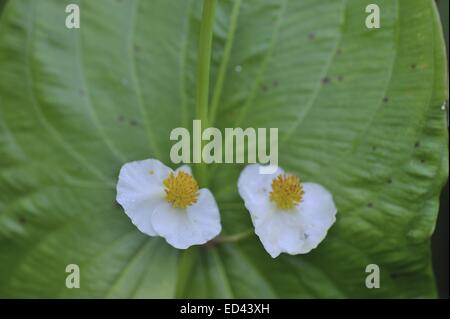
[(288, 216), (167, 203)]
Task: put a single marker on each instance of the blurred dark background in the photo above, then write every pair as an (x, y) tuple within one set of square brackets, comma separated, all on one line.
[(440, 239)]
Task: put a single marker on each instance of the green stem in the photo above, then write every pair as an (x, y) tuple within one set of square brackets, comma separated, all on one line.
[(234, 237), (203, 71), (223, 66)]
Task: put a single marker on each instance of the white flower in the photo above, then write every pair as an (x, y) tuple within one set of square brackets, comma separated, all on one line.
[(167, 203), (288, 216)]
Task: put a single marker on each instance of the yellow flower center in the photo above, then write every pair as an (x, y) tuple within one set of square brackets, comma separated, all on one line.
[(181, 190), (287, 192)]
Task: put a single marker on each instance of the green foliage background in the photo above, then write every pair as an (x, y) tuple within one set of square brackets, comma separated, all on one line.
[(358, 110)]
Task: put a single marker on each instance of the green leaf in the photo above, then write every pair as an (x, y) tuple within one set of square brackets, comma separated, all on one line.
[(358, 111), (2, 4)]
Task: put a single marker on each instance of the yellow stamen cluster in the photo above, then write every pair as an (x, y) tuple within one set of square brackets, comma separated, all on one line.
[(181, 190), (287, 192)]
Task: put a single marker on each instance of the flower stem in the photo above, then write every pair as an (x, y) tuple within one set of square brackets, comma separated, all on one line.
[(223, 66), (233, 238), (203, 71)]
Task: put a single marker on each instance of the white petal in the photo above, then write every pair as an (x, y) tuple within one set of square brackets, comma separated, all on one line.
[(301, 229), (195, 225), (184, 168), (137, 172), (254, 189), (280, 232), (317, 213), (295, 231), (204, 214), (140, 190)]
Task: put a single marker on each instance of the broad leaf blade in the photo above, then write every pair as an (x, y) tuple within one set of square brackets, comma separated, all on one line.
[(358, 110)]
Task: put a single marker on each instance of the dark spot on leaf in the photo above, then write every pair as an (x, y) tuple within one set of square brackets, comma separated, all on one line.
[(374, 148), (340, 78), (134, 123), (264, 88), (275, 83), (385, 99), (417, 144), (370, 205), (389, 181), (413, 66), (422, 161), (311, 36), (22, 220), (121, 118), (326, 80)]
